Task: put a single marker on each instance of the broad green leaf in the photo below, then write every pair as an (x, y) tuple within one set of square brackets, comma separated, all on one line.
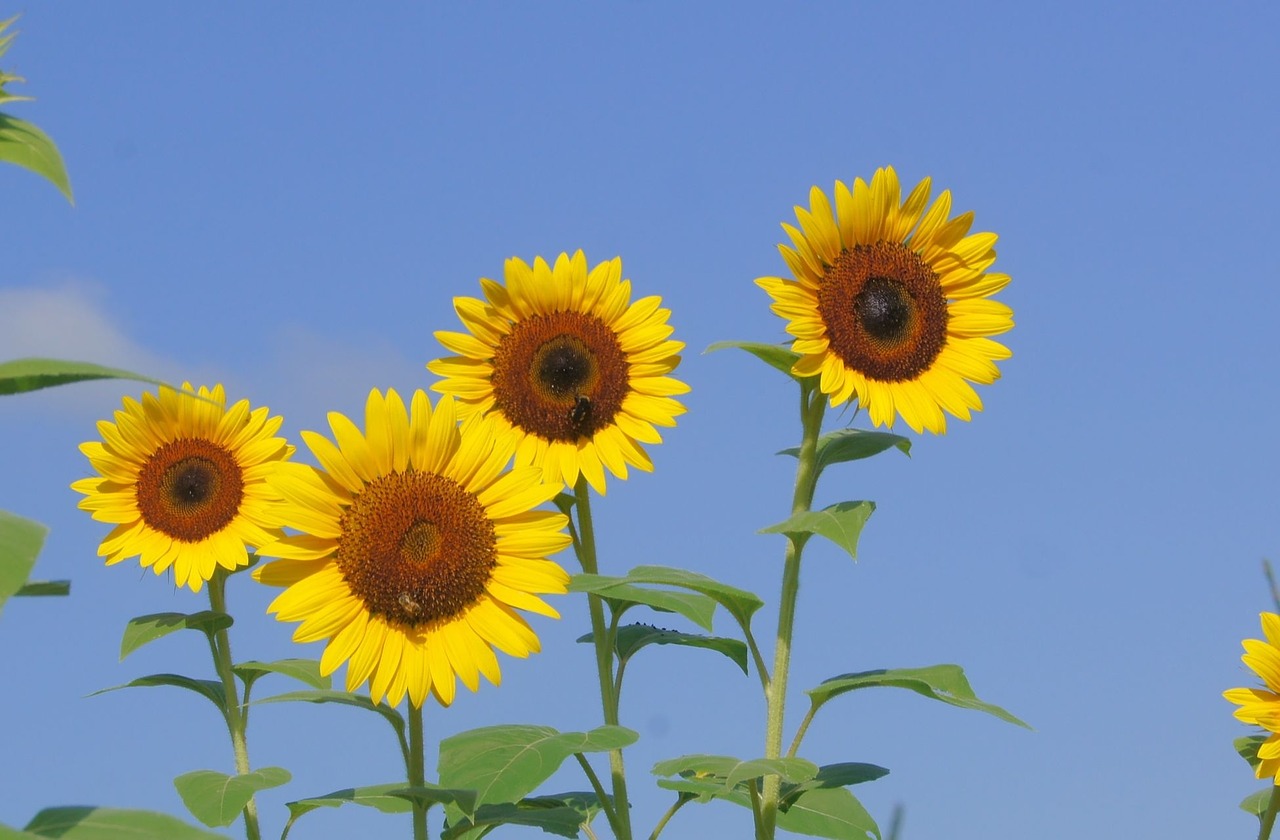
[(371, 796), (147, 628), (730, 772), (697, 608), (303, 670), (23, 144), (217, 799), (740, 603), (777, 356), (344, 698), (940, 682), (833, 776), (632, 637), (841, 523), (89, 823), (1247, 747), (205, 688), (7, 833), (43, 588), (829, 812), (1256, 803), (21, 375), (506, 763), (20, 544), (852, 445), (550, 813)]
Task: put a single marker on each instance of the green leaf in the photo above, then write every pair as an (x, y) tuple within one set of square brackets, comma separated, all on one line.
[(217, 799), (852, 445), (832, 776), (89, 823), (370, 796), (21, 375), (841, 523), (730, 773), (303, 670), (740, 603), (205, 688), (777, 356), (939, 682), (506, 763), (829, 812), (344, 698), (147, 628), (1256, 803), (43, 588), (697, 608), (23, 144), (562, 815), (20, 544), (7, 833), (633, 637)]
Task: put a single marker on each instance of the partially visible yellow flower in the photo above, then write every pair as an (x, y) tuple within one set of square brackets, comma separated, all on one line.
[(184, 482), (889, 302), (562, 357), (1261, 706), (418, 548)]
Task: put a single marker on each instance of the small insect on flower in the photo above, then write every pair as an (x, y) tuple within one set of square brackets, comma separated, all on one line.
[(580, 414)]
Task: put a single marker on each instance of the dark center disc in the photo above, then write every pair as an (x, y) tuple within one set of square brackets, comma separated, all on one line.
[(416, 548), (561, 377), (190, 489), (884, 310)]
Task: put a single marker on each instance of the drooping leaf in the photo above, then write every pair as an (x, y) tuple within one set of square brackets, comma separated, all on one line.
[(506, 763), (1256, 803), (553, 814), (343, 698), (829, 812), (217, 799), (147, 628), (832, 776), (852, 445), (729, 772), (697, 608), (939, 682), (20, 544), (303, 670), (777, 356), (841, 523), (90, 823), (740, 603), (633, 637), (372, 796), (21, 375), (43, 588), (208, 689), (23, 144)]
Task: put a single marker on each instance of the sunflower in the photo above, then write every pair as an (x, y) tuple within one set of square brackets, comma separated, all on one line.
[(183, 479), (1261, 706), (890, 302), (562, 357), (417, 549)]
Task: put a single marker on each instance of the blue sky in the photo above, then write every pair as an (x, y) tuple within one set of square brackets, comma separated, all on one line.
[(286, 198)]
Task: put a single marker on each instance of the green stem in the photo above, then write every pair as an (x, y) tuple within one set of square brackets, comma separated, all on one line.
[(604, 659), (812, 407), (804, 727), (236, 714), (681, 800), (1269, 818), (417, 774), (597, 787)]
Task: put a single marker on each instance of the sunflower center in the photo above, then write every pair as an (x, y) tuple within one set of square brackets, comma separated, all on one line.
[(190, 489), (884, 310), (561, 376), (416, 548)]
